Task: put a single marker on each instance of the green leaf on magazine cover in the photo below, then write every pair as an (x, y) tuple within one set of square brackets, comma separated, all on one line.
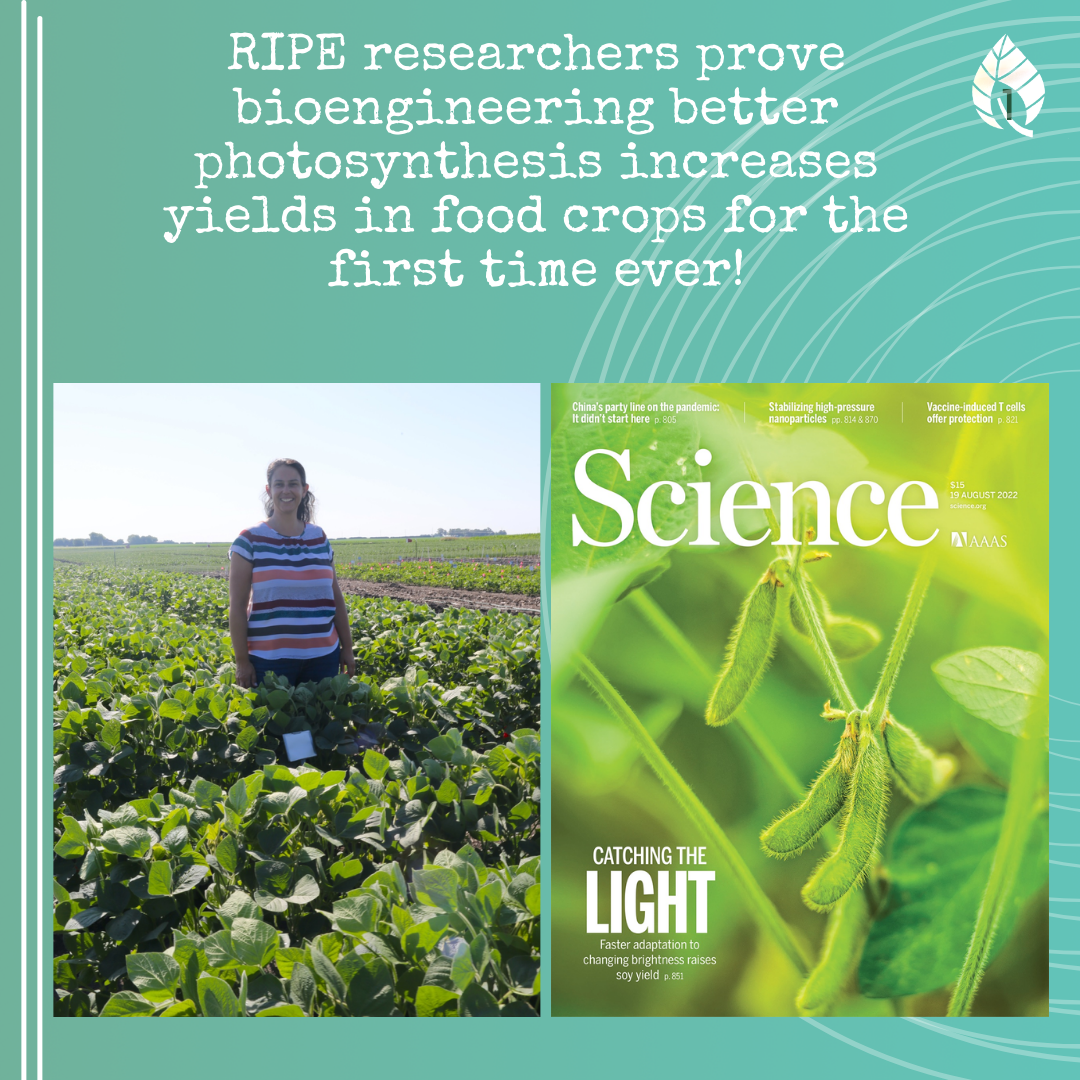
[(995, 684), (939, 862)]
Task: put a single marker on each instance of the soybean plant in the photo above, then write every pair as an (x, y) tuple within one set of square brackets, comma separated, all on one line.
[(874, 751)]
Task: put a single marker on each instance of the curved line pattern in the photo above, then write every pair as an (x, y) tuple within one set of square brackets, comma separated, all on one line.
[(878, 1054)]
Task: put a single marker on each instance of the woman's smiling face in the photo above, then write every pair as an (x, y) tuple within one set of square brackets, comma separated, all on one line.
[(286, 490)]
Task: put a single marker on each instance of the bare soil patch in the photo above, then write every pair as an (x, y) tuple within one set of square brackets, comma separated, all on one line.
[(437, 599)]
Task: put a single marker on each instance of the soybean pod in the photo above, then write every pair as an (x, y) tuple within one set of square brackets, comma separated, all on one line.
[(796, 830), (919, 772), (845, 868), (840, 952), (749, 649)]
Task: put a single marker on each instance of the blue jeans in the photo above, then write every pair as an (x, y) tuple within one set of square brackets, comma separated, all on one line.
[(312, 669)]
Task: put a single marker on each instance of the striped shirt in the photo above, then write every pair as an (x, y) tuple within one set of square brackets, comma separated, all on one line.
[(291, 610)]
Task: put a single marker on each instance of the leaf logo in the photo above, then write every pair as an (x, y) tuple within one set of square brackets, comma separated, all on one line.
[(1004, 75)]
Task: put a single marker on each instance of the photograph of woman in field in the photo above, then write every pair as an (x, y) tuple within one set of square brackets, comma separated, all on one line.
[(297, 767), (286, 611)]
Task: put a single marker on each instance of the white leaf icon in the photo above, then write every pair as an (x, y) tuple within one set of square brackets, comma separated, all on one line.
[(1006, 65)]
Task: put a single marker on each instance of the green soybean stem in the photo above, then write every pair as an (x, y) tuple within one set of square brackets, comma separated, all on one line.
[(761, 907), (1023, 789), (905, 628), (657, 618), (828, 659), (833, 675)]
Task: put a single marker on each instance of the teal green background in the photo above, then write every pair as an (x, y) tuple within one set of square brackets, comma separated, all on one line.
[(133, 90)]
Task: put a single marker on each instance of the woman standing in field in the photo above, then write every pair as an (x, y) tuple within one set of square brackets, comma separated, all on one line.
[(286, 611)]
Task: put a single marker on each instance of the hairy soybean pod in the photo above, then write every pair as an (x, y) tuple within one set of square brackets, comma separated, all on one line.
[(748, 652), (838, 873), (840, 951), (796, 830), (920, 773)]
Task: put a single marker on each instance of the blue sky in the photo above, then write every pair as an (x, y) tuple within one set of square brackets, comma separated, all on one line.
[(188, 461)]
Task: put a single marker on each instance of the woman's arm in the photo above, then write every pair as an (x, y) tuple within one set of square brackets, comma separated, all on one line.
[(341, 622), (239, 594)]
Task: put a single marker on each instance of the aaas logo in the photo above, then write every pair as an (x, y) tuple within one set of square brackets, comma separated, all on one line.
[(962, 539), (1008, 80)]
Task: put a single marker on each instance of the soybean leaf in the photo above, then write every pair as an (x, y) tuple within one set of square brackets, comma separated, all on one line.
[(995, 684), (182, 1008), (273, 875), (83, 919), (532, 899), (216, 997), (253, 941), (128, 1003), (74, 841), (175, 840), (375, 764), (448, 792), (437, 886), (939, 864), (110, 734), (302, 987), (524, 971), (128, 840), (476, 1001), (461, 966), (205, 793), (442, 747), (282, 1010), (171, 709), (227, 854), (155, 975), (325, 970), (238, 798), (420, 938), (435, 1001), (304, 891), (269, 902), (159, 880), (189, 877), (219, 950), (371, 990), (121, 929), (356, 914)]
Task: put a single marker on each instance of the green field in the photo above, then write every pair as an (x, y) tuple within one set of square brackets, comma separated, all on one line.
[(208, 558), (200, 872)]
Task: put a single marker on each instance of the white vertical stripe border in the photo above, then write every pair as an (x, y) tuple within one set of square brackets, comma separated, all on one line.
[(23, 942), (40, 254)]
